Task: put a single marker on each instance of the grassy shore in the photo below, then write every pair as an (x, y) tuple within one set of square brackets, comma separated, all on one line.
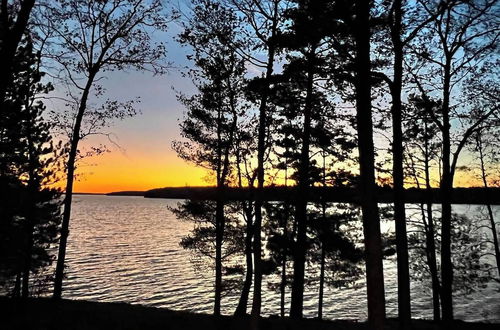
[(38, 314)]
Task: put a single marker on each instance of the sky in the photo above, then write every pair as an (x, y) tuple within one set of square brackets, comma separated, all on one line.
[(144, 159)]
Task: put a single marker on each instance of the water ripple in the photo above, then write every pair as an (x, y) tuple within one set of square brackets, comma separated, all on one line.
[(126, 249)]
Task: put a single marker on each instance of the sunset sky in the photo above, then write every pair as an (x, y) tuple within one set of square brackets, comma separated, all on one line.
[(145, 159)]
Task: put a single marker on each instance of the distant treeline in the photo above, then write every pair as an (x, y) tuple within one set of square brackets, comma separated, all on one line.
[(318, 194)]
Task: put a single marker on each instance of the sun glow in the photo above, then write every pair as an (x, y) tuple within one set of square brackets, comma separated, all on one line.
[(143, 166), (116, 172)]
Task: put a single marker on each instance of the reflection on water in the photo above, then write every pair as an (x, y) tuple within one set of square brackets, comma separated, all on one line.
[(127, 249)]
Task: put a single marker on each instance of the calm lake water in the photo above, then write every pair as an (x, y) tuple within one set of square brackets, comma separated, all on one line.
[(126, 249)]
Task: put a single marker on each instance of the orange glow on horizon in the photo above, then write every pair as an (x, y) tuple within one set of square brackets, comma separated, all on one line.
[(143, 170), (118, 172)]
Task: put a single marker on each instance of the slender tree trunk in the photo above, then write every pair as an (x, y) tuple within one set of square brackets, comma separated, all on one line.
[(488, 206), (283, 285), (219, 236), (257, 259), (248, 207), (404, 308), (299, 260), (430, 243), (321, 282), (446, 191), (241, 309), (495, 236), (323, 252), (296, 307), (370, 215), (284, 254), (261, 150), (222, 173), (63, 240), (431, 261)]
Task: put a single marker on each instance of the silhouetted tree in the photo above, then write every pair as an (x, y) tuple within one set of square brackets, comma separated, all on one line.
[(280, 229), (404, 21), (264, 18), (487, 153), (211, 121), (482, 92), (457, 42), (369, 207), (244, 149), (202, 240), (89, 38), (422, 149), (305, 38), (333, 243), (31, 215), (287, 132)]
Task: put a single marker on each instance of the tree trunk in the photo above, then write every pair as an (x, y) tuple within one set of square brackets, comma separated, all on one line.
[(321, 283), (488, 206), (430, 254), (241, 309), (446, 186), (371, 221), (430, 243), (323, 252), (404, 308), (261, 150), (431, 260), (63, 240), (495, 237), (247, 206), (222, 173), (257, 259), (284, 256), (219, 236), (299, 261), (283, 285), (297, 302)]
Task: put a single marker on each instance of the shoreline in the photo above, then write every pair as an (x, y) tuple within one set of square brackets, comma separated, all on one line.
[(45, 313), (472, 195)]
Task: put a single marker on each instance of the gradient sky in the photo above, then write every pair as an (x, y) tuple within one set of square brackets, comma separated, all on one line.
[(145, 159)]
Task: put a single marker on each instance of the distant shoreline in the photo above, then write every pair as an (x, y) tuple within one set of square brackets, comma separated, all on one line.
[(473, 195)]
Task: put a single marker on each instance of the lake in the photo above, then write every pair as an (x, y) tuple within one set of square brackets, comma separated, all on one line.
[(126, 249)]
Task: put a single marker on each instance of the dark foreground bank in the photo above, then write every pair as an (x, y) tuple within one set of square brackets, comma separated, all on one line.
[(38, 314)]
